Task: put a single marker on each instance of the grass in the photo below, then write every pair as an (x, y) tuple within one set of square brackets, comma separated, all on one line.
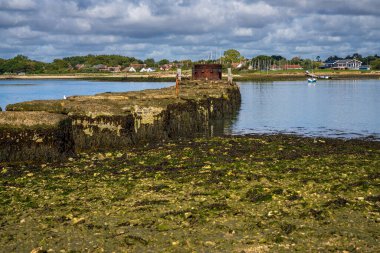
[(232, 194)]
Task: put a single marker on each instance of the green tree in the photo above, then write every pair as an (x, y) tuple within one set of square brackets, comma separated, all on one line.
[(163, 62), (278, 58), (17, 64), (232, 55), (307, 64), (2, 62), (296, 60), (375, 64), (60, 64), (150, 62)]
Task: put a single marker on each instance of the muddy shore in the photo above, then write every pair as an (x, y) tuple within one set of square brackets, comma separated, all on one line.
[(228, 194)]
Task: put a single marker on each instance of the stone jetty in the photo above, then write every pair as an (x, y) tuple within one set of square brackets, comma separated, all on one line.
[(47, 130)]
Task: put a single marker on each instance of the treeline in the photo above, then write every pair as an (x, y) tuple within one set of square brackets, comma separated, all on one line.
[(365, 60), (22, 64)]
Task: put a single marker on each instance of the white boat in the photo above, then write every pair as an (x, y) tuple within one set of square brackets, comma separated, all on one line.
[(311, 80)]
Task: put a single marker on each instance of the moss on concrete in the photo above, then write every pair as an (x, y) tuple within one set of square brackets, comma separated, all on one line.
[(114, 120), (109, 121), (35, 136), (30, 119)]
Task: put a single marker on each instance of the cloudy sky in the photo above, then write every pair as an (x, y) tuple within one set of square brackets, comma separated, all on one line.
[(188, 29)]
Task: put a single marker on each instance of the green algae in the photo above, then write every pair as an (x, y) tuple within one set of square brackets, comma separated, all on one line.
[(231, 194)]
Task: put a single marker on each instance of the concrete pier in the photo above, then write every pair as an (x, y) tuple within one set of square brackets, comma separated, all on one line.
[(115, 120)]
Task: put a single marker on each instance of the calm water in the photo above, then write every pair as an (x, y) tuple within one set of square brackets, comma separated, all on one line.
[(13, 91), (343, 109)]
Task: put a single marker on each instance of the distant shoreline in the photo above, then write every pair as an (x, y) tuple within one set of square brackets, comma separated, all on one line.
[(169, 77)]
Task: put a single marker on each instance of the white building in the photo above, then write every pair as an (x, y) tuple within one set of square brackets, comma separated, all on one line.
[(352, 64)]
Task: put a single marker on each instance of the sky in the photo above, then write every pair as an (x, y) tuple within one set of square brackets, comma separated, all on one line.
[(188, 29)]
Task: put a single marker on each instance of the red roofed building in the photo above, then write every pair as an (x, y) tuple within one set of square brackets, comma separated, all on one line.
[(294, 66)]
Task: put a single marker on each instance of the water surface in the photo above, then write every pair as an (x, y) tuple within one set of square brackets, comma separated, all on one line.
[(13, 91), (346, 108), (343, 109)]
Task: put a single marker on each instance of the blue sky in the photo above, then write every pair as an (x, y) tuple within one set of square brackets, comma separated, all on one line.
[(184, 29)]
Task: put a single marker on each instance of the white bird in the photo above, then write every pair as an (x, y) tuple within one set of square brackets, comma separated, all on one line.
[(64, 97)]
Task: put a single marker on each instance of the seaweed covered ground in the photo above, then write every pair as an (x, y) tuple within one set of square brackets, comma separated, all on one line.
[(224, 194)]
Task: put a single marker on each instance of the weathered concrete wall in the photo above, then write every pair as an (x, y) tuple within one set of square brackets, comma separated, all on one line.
[(35, 136), (115, 120)]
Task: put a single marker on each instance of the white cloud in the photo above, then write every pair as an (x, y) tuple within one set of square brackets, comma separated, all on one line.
[(243, 32), (17, 4), (192, 29), (23, 32)]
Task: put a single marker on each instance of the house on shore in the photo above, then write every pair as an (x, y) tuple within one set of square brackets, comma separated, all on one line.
[(105, 68), (291, 66), (80, 66), (147, 70), (137, 66), (237, 65), (166, 67), (328, 64), (129, 69), (275, 67), (351, 64), (100, 67), (116, 69)]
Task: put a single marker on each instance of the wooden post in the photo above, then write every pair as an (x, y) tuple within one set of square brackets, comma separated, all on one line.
[(177, 82), (229, 76)]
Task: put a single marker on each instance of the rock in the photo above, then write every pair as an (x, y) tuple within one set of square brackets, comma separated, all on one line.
[(76, 221), (38, 250), (188, 215), (210, 244)]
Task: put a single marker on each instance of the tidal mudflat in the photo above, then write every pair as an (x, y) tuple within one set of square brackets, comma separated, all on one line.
[(232, 194)]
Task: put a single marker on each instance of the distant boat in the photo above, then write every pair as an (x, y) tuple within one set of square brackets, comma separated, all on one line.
[(311, 80)]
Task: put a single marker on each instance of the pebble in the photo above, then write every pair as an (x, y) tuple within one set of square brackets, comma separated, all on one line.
[(210, 244), (76, 221)]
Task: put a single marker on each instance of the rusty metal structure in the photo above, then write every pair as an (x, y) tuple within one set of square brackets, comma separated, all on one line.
[(207, 72)]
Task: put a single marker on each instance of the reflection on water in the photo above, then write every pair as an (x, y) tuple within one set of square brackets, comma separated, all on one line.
[(14, 91), (339, 109)]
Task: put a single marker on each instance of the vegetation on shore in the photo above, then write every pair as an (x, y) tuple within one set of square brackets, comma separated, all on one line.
[(231, 194), (21, 64), (170, 76)]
